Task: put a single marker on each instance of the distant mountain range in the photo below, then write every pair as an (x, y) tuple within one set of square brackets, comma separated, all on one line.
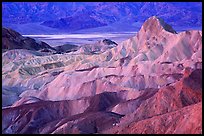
[(72, 16)]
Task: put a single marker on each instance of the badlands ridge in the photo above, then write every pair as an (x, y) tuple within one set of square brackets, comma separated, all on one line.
[(150, 83)]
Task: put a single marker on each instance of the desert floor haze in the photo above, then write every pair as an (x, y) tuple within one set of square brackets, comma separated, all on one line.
[(81, 38), (74, 68)]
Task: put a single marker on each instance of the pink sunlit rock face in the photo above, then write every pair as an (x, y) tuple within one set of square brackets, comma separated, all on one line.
[(148, 84)]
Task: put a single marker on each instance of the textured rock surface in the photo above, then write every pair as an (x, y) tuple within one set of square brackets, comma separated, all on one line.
[(143, 85), (186, 120), (26, 117)]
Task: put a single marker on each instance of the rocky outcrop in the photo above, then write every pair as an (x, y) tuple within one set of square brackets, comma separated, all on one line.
[(66, 48), (183, 121), (97, 47), (14, 40), (35, 116)]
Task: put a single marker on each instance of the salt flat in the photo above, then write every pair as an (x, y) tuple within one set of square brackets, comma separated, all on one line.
[(81, 38)]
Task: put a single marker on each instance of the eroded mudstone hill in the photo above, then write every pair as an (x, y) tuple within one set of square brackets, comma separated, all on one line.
[(150, 83)]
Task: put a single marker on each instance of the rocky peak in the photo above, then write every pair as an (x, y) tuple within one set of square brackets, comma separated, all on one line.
[(155, 24)]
